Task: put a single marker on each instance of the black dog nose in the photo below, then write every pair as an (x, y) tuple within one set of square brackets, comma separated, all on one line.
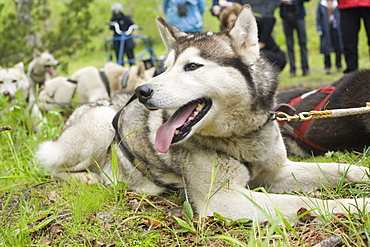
[(143, 93)]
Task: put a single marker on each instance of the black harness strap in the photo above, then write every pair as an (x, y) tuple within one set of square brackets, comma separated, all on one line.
[(105, 81), (72, 81), (135, 160)]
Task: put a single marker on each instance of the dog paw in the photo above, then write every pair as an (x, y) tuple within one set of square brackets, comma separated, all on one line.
[(88, 178)]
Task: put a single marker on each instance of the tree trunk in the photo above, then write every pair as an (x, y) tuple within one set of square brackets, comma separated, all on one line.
[(24, 17)]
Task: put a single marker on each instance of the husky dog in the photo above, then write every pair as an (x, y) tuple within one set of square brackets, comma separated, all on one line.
[(103, 84), (208, 131), (13, 80), (57, 93), (318, 136), (41, 68)]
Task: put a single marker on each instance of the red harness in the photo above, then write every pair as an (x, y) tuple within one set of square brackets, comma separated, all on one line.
[(300, 133)]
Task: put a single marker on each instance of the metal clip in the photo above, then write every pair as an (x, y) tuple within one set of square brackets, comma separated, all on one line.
[(304, 116), (282, 116)]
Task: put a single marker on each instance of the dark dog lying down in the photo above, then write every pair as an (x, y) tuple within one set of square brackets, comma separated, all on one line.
[(318, 136)]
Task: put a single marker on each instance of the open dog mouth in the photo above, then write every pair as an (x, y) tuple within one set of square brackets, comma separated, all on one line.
[(180, 123), (50, 70), (9, 97)]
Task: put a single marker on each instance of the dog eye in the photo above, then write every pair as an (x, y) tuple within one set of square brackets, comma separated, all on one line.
[(192, 66), (14, 81)]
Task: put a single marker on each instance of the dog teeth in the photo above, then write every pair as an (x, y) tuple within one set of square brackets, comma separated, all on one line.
[(191, 118), (177, 132), (200, 107)]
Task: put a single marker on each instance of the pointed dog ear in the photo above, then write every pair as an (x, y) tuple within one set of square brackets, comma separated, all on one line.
[(19, 66), (169, 34), (36, 53), (244, 35)]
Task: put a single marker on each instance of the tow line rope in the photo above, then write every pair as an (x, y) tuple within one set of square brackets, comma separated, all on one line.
[(304, 116)]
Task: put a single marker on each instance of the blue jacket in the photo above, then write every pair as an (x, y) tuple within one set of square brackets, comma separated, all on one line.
[(301, 12), (192, 22)]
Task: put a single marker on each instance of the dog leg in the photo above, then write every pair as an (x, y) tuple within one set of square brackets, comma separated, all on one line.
[(310, 176), (238, 202), (225, 191), (85, 177)]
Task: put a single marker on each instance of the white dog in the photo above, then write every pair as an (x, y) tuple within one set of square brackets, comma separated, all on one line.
[(41, 67), (94, 84), (13, 80)]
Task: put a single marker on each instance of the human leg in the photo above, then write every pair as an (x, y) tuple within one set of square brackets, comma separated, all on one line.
[(130, 55), (302, 40), (365, 14), (116, 45), (327, 63), (350, 26), (288, 31), (336, 43)]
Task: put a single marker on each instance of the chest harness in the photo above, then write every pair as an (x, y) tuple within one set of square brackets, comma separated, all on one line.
[(301, 131)]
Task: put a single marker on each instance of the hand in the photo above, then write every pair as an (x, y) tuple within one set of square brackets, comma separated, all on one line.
[(216, 9), (224, 3)]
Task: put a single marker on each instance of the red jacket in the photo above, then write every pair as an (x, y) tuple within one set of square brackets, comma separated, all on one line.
[(345, 4)]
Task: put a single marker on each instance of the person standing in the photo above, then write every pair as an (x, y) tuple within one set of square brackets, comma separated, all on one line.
[(264, 12), (351, 13), (328, 28), (261, 8), (292, 13), (186, 15), (124, 22)]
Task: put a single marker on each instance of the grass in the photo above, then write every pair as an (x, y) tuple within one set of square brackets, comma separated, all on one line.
[(36, 211)]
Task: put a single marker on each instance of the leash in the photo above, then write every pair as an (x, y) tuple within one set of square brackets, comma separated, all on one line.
[(135, 160), (285, 113), (284, 118), (304, 116)]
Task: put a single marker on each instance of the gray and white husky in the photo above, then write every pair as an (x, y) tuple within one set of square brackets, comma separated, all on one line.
[(208, 126)]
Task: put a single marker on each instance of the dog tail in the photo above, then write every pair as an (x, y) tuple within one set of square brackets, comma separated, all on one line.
[(48, 155)]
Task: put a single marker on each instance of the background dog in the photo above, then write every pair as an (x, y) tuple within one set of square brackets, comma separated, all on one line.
[(318, 136), (208, 126), (57, 93), (92, 85), (41, 68), (12, 81)]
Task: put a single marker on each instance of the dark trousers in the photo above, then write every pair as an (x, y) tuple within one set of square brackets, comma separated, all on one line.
[(128, 50), (289, 27), (350, 22), (335, 42)]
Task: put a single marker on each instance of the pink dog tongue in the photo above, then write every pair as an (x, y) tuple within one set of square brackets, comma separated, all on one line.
[(51, 71), (166, 132)]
